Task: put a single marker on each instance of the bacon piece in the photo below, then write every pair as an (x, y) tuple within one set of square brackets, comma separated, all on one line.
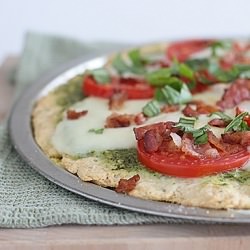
[(189, 111), (206, 109), (169, 146), (170, 108), (152, 141), (242, 138), (200, 151), (73, 115), (140, 118), (119, 121), (213, 140), (127, 185), (217, 122), (233, 148), (188, 148), (158, 127), (116, 101), (238, 91), (201, 108)]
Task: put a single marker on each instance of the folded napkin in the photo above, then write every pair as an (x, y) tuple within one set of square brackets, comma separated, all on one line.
[(28, 200)]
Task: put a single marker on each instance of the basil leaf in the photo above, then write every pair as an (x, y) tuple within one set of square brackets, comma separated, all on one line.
[(186, 124), (200, 135), (237, 124), (101, 75), (197, 64), (186, 71), (222, 115), (176, 92), (159, 77), (185, 95), (96, 130), (224, 75), (151, 109), (136, 58), (171, 96), (244, 70), (120, 65), (227, 76), (215, 46)]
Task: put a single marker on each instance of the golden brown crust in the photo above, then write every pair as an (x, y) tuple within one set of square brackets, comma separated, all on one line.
[(46, 109)]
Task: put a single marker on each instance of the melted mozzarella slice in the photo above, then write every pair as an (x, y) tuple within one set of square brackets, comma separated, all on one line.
[(73, 137)]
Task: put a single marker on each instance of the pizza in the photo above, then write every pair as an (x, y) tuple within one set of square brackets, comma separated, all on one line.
[(165, 122)]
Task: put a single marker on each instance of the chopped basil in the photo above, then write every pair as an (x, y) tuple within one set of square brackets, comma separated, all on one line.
[(119, 64), (222, 115), (227, 75), (200, 135), (96, 130), (230, 75), (101, 75), (238, 123), (244, 70), (183, 70), (176, 92), (197, 64), (159, 77), (218, 45), (136, 58), (136, 66), (164, 76), (187, 125), (151, 109)]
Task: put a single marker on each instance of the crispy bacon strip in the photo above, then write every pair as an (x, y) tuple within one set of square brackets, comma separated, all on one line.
[(119, 121), (200, 108), (170, 108), (189, 111), (217, 122), (140, 118), (73, 115), (188, 148), (127, 185), (242, 138), (117, 100), (152, 141), (158, 127), (237, 92), (213, 140)]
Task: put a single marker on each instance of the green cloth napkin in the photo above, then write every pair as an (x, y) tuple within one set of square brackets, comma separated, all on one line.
[(29, 200)]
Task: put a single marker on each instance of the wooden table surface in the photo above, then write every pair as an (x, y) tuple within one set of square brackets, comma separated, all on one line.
[(144, 237)]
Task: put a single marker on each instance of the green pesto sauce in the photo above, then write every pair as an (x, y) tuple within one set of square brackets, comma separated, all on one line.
[(240, 176), (123, 159), (69, 93)]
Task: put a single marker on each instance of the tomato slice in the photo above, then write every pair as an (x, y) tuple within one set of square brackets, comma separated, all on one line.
[(175, 164), (183, 50), (135, 88)]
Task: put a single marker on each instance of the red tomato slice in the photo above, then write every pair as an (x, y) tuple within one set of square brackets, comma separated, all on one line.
[(135, 89), (183, 50), (176, 165)]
